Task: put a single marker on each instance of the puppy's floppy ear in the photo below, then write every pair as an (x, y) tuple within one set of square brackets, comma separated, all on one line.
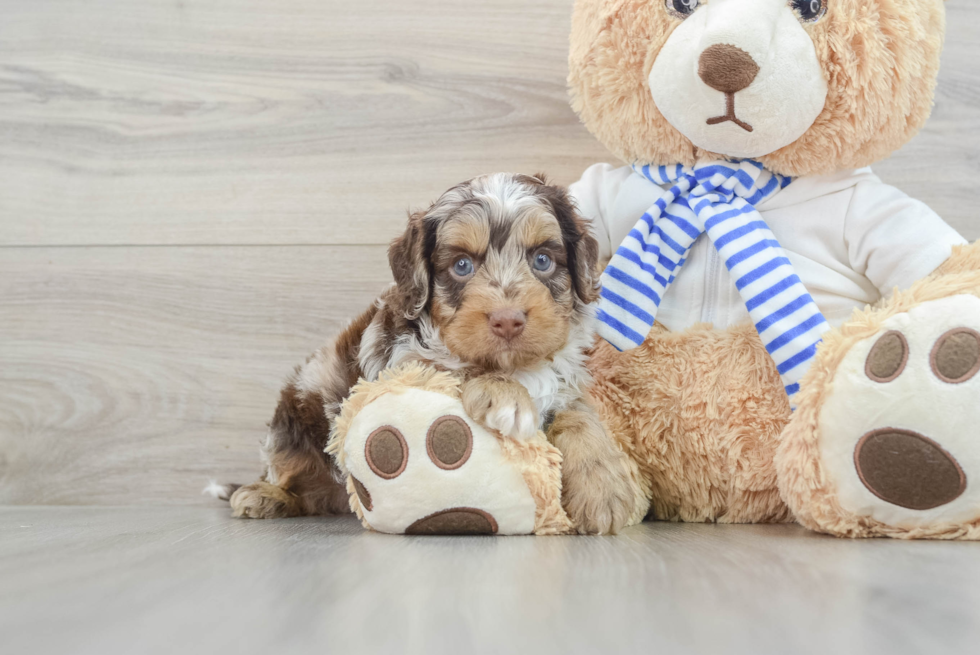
[(582, 249), (408, 256)]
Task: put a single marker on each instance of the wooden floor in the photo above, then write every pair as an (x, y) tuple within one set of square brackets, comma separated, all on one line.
[(192, 580), (194, 194)]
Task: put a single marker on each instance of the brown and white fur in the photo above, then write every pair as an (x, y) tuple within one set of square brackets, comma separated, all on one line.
[(515, 323)]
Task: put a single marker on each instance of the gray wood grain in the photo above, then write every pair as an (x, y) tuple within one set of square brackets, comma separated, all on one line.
[(320, 121), (230, 121), (132, 375), (186, 580), (183, 185), (941, 165)]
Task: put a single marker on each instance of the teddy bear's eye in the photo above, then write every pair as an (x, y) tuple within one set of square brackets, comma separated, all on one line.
[(810, 10), (682, 8)]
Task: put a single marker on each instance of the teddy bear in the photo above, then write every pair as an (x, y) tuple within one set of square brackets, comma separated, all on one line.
[(786, 336)]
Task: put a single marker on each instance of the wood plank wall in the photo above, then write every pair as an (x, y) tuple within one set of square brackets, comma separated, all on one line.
[(195, 193)]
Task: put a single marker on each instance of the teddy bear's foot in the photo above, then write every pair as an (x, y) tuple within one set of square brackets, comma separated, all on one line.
[(417, 464), (897, 434)]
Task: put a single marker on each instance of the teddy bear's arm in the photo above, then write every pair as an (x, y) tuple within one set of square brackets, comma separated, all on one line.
[(895, 240)]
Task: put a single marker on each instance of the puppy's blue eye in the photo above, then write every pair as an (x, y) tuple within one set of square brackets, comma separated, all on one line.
[(463, 267), (542, 262)]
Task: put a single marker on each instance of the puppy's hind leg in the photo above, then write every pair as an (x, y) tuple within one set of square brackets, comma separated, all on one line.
[(261, 500), (300, 479)]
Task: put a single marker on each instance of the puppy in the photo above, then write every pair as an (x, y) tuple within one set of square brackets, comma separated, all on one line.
[(493, 282)]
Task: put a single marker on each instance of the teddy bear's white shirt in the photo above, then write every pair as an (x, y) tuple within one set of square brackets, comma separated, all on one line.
[(850, 237)]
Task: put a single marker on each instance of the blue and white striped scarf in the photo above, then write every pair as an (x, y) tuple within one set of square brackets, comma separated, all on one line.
[(718, 199)]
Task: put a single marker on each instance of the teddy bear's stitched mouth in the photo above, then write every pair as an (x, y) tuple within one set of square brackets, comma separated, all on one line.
[(729, 69), (730, 115)]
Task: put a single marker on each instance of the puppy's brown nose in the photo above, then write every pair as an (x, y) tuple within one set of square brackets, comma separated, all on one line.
[(726, 68), (507, 323)]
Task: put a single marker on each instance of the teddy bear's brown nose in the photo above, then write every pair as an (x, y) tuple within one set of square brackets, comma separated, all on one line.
[(726, 68)]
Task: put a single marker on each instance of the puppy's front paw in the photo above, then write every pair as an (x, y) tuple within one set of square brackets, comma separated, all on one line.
[(501, 404), (598, 494)]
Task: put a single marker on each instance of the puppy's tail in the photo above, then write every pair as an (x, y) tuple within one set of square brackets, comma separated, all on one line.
[(220, 491)]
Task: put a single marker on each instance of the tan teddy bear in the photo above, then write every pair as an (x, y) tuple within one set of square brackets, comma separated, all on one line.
[(757, 264)]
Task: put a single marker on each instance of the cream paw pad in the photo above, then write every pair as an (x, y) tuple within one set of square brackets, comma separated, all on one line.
[(416, 464)]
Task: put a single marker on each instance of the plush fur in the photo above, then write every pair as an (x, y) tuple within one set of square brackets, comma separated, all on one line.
[(700, 412), (880, 60)]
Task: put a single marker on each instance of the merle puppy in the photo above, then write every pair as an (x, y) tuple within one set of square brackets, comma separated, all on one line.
[(493, 282)]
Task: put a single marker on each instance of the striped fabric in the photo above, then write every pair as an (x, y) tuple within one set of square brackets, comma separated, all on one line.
[(719, 199)]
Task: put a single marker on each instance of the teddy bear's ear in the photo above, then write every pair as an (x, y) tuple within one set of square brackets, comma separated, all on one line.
[(582, 249), (408, 257)]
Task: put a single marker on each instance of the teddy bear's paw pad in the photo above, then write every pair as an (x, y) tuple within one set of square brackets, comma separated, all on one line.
[(888, 357), (956, 356), (907, 469), (419, 465), (449, 442), (363, 494), (459, 520), (386, 452), (899, 427)]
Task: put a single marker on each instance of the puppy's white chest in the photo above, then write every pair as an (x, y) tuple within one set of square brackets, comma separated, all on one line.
[(548, 391)]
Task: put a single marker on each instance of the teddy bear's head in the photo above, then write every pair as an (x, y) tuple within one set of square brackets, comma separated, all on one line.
[(803, 86)]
